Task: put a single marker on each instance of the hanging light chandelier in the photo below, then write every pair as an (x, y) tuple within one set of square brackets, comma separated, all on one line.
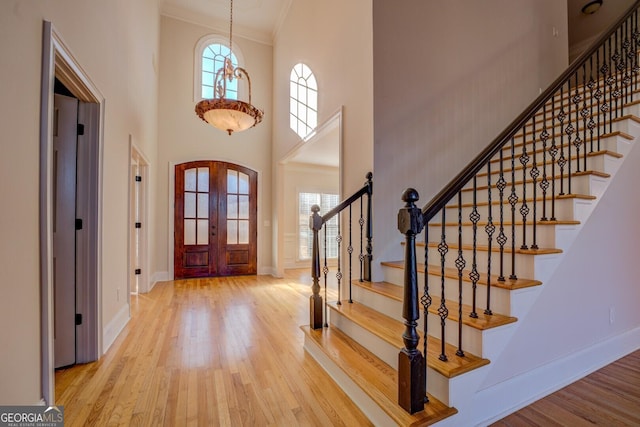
[(229, 115)]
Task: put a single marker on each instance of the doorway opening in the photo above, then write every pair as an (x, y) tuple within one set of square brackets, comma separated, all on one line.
[(138, 221), (78, 175)]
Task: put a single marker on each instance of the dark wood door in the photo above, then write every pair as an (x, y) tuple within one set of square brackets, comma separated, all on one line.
[(215, 219)]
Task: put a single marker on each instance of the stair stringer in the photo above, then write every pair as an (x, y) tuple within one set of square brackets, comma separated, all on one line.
[(505, 390)]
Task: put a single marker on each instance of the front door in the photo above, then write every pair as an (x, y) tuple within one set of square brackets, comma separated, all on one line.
[(215, 219)]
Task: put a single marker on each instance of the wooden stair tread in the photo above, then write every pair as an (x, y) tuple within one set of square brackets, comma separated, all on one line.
[(483, 248), (482, 322), (377, 379), (530, 181), (505, 202), (549, 162), (452, 273), (507, 223), (391, 330)]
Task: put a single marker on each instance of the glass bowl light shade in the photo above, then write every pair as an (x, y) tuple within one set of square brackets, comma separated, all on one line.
[(229, 115)]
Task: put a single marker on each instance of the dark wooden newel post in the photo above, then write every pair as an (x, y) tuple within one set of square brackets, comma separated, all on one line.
[(315, 301), (411, 388), (369, 231)]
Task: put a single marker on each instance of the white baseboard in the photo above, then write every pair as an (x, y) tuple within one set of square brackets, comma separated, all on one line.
[(159, 276), (267, 271), (522, 390), (115, 326)]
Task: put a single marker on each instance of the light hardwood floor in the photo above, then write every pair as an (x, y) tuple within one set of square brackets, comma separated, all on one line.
[(209, 352), (228, 352), (608, 397)]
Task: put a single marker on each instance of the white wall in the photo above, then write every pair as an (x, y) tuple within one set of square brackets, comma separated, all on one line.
[(448, 77), (302, 178), (116, 43), (334, 38), (183, 137)]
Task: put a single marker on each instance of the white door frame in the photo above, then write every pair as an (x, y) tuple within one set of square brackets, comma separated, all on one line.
[(57, 61), (139, 159)]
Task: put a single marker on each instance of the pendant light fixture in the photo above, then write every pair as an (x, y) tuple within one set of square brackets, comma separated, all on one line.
[(229, 115)]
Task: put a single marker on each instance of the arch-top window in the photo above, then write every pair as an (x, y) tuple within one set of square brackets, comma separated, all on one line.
[(209, 55), (303, 100), (213, 57)]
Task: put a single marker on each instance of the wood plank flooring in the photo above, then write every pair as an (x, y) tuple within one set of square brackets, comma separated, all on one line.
[(218, 351), (228, 352), (608, 397)]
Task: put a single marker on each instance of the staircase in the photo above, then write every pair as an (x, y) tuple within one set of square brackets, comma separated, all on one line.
[(488, 249)]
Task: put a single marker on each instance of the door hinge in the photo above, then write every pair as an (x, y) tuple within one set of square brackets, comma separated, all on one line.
[(138, 225), (138, 271), (80, 129), (138, 178), (78, 319), (78, 223)]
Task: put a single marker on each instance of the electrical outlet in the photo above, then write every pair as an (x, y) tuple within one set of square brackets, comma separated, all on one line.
[(612, 315), (554, 32)]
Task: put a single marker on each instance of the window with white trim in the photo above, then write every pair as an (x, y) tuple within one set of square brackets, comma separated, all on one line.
[(303, 100), (305, 239), (209, 56)]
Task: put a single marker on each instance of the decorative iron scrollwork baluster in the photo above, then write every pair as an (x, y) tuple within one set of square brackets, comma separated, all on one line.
[(513, 200), (443, 312), (361, 255), (544, 183), (474, 216), (535, 173), (460, 264), (489, 228), (524, 208), (598, 96), (553, 152), (502, 238), (561, 160), (591, 125), (350, 252), (339, 272), (577, 143), (569, 131)]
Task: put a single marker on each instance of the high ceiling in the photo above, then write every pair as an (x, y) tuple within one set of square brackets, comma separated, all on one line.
[(583, 27), (253, 19)]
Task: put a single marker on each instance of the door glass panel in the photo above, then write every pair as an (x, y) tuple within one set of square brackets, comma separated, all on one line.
[(232, 232), (243, 232), (203, 232), (203, 180), (243, 207), (203, 205), (232, 181), (190, 179), (189, 231), (232, 206), (243, 180), (189, 205)]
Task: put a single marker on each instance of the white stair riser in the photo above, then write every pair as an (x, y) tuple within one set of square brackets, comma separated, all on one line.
[(564, 210), (472, 337), (545, 235), (437, 384), (581, 184), (500, 297)]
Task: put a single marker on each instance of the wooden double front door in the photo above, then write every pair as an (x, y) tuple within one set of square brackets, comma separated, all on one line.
[(215, 232)]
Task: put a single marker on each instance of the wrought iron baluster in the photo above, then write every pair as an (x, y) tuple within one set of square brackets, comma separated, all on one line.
[(524, 208), (325, 272), (569, 131), (584, 113), (361, 256), (489, 228), (635, 44), (350, 251), (617, 63), (553, 152), (608, 105), (592, 124), (598, 95), (426, 303), (460, 264), (544, 183), (502, 238), (561, 160), (578, 141), (513, 200), (443, 312), (474, 216), (535, 173), (628, 57), (339, 272)]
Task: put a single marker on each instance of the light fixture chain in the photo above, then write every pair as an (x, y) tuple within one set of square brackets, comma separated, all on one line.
[(231, 29)]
